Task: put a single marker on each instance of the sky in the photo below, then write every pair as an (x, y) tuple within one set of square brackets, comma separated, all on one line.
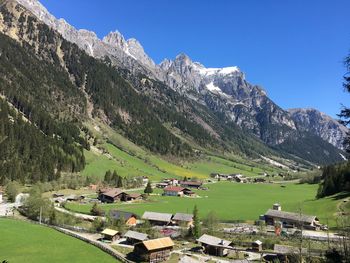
[(294, 49)]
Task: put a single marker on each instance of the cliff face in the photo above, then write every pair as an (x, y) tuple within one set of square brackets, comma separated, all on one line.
[(314, 121)]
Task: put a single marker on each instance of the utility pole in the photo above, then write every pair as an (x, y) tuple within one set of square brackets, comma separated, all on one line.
[(328, 235), (40, 214), (301, 235)]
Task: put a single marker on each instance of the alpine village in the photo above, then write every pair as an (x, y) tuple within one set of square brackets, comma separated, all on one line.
[(107, 156)]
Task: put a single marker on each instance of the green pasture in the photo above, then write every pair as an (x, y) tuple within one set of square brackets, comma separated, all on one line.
[(156, 168), (26, 242), (233, 202)]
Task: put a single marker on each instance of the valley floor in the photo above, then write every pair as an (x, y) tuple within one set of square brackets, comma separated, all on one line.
[(234, 202)]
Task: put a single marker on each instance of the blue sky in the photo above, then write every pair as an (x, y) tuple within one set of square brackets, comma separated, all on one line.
[(292, 48)]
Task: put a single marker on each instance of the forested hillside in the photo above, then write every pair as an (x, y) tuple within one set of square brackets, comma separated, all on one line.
[(135, 105), (336, 179), (29, 154), (49, 87)]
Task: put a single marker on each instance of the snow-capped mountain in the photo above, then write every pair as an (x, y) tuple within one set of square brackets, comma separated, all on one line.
[(225, 91)]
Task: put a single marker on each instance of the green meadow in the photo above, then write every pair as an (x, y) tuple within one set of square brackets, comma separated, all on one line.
[(31, 243), (129, 159), (233, 202), (156, 168)]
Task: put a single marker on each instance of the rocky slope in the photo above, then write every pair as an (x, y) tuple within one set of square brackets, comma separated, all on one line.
[(225, 91), (314, 121)]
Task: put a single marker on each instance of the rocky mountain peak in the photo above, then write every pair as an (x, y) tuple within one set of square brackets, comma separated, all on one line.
[(183, 59), (39, 11), (115, 39), (136, 50)]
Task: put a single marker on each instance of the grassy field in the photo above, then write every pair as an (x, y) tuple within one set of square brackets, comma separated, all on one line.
[(129, 159), (25, 242), (156, 168), (232, 202)]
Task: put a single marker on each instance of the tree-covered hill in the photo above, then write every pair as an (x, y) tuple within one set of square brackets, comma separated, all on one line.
[(56, 87)]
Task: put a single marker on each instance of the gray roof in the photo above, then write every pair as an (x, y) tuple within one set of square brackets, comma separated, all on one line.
[(290, 216), (258, 242), (214, 241), (153, 216), (136, 235), (183, 217)]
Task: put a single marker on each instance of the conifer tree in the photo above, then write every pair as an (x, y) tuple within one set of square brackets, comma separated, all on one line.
[(148, 189), (120, 183), (115, 178), (108, 177), (196, 223)]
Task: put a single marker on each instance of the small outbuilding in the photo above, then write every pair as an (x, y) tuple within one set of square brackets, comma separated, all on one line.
[(257, 246), (191, 184), (130, 218), (133, 237), (154, 250), (110, 234), (133, 196), (215, 246), (157, 218)]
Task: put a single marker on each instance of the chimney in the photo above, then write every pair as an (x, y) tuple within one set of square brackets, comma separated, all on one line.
[(277, 207)]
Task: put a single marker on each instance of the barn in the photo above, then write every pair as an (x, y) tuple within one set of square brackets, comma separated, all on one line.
[(133, 237), (157, 218), (154, 250), (289, 219)]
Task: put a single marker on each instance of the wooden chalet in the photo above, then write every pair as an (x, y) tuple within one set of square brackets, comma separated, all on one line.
[(154, 250), (133, 237), (110, 234), (111, 195), (215, 246), (183, 219), (289, 219), (177, 191), (157, 218), (191, 184)]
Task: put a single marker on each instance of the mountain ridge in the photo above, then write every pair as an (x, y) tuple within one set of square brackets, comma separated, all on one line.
[(227, 98)]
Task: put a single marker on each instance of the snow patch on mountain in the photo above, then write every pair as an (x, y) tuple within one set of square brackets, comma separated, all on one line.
[(214, 71), (212, 87)]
